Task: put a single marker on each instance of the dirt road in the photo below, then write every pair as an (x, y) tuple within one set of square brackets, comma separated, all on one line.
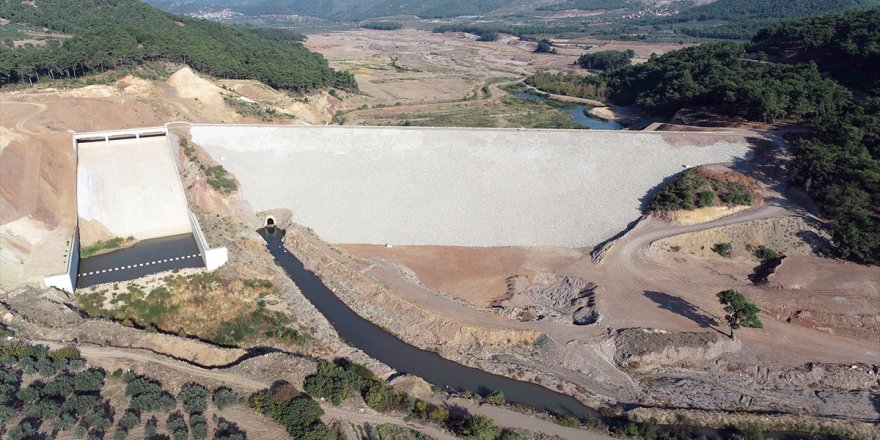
[(503, 417)]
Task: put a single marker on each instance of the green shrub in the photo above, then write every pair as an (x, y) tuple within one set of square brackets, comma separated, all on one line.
[(496, 398), (765, 253), (147, 395), (103, 245), (224, 397), (705, 198), (129, 420), (176, 426), (151, 427), (23, 431), (193, 398), (478, 428), (511, 435), (723, 249), (198, 424), (568, 421), (330, 382), (690, 190), (300, 415), (226, 430)]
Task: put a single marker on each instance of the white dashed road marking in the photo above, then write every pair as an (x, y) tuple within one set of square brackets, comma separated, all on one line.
[(131, 266)]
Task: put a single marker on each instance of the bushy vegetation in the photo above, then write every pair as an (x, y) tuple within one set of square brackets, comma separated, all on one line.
[(742, 18), (723, 249), (845, 46), (569, 84), (104, 245), (224, 397), (382, 25), (838, 163), (65, 397), (545, 46), (719, 76), (339, 381), (606, 59), (764, 253), (218, 178), (241, 313), (110, 34), (297, 413), (690, 190)]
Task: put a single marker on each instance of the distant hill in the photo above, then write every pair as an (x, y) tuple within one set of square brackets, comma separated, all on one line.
[(111, 33), (740, 19), (726, 19), (343, 9)]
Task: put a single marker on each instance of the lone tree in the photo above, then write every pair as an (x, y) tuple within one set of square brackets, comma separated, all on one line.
[(740, 312)]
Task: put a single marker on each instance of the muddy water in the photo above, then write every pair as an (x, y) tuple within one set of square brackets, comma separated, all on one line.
[(144, 258), (408, 359), (579, 114), (449, 375)]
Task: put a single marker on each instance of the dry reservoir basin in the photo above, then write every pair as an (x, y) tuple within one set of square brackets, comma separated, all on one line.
[(465, 187)]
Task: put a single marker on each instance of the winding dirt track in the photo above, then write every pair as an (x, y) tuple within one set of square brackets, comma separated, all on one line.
[(21, 125)]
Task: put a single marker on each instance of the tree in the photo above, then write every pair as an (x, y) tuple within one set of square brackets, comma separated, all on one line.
[(545, 46), (194, 398), (740, 312), (478, 428), (224, 397), (606, 59)]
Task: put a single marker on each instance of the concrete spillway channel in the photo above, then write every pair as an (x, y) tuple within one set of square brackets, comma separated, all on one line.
[(128, 187), (144, 258)]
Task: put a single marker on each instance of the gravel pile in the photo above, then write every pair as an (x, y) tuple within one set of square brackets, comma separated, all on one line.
[(469, 187)]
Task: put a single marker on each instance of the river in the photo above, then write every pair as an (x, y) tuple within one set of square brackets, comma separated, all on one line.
[(579, 113)]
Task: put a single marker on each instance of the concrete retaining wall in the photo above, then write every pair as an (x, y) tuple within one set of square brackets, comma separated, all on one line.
[(67, 280), (213, 258)]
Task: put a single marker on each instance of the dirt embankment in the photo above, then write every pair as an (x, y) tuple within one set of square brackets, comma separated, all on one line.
[(650, 349), (719, 175), (373, 302)]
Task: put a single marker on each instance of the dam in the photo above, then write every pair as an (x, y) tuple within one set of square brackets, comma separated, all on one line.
[(458, 187)]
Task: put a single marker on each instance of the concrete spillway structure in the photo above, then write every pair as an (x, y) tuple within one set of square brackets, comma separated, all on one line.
[(464, 187), (128, 186)]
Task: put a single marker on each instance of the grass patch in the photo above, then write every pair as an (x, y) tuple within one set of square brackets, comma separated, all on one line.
[(691, 191), (218, 178), (510, 112), (254, 109), (104, 245), (225, 312)]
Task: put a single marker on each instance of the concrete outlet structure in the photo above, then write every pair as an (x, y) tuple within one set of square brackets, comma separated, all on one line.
[(128, 186)]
